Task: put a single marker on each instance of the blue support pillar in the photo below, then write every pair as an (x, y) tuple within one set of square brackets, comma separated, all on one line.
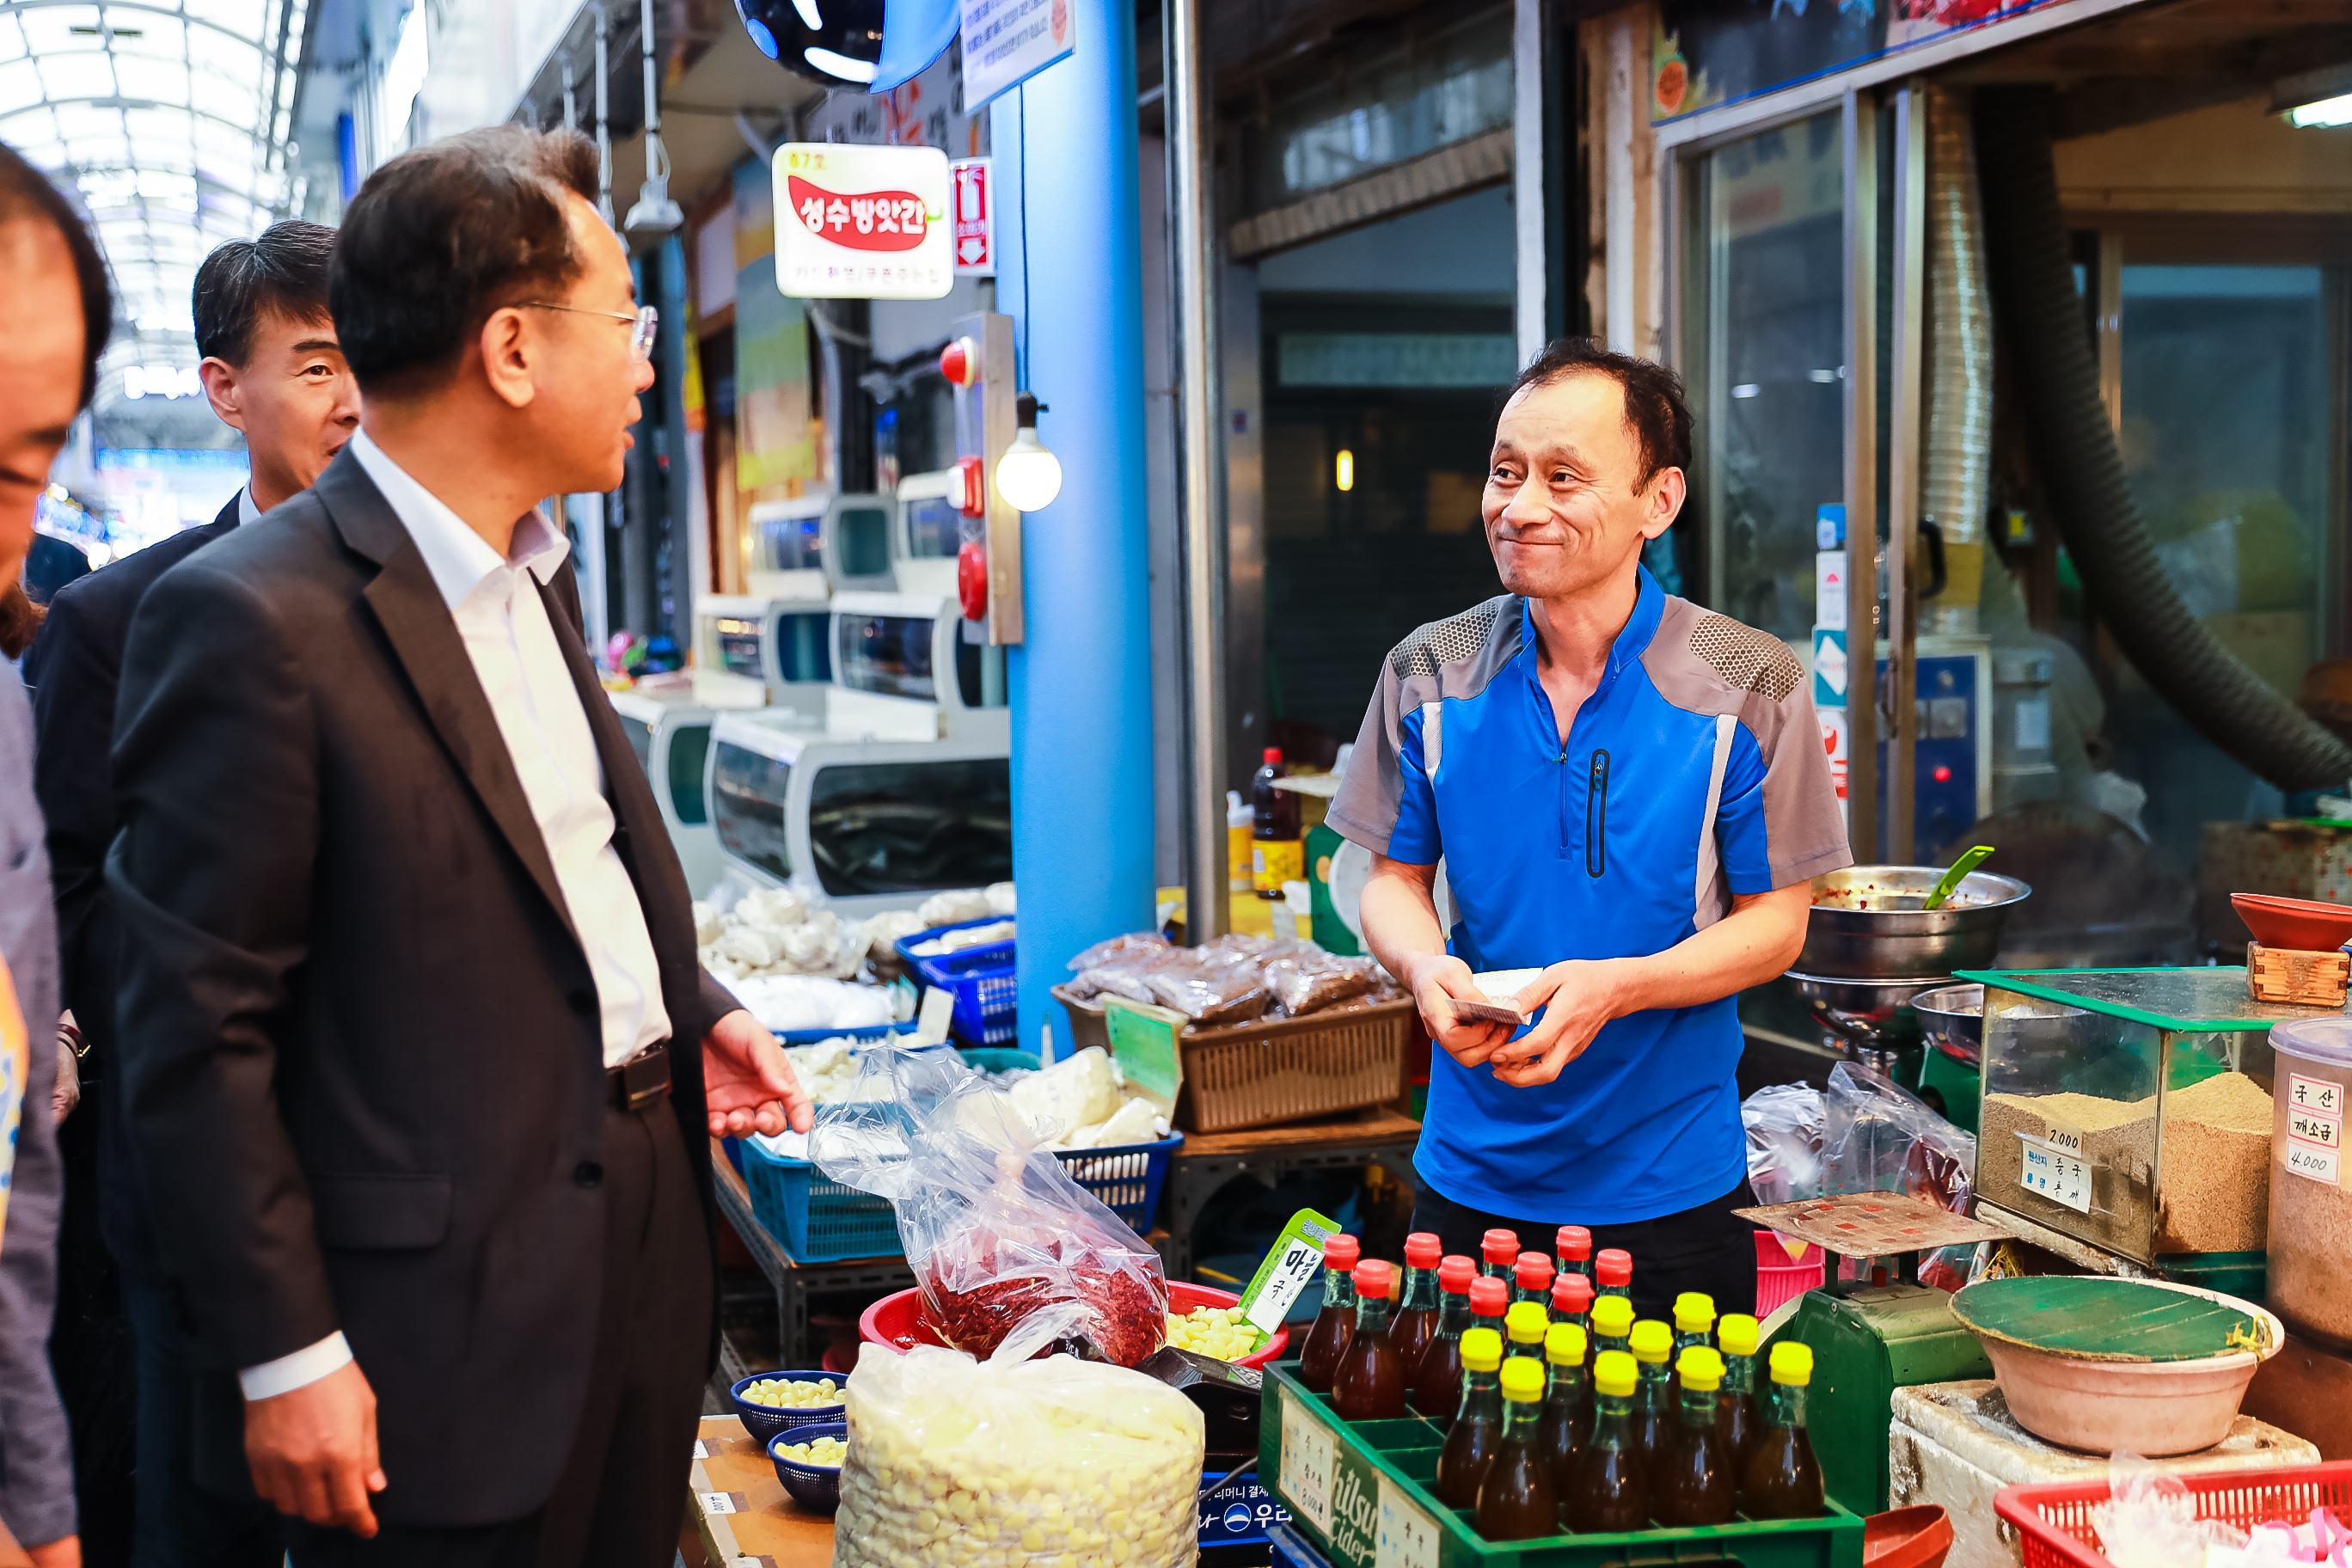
[(1080, 688)]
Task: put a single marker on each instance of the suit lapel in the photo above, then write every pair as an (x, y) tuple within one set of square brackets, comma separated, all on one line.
[(424, 638)]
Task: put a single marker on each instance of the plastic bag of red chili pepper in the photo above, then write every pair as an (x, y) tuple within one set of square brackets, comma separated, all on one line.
[(993, 1227)]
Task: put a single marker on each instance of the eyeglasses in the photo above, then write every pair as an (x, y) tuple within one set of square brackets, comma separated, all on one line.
[(645, 322)]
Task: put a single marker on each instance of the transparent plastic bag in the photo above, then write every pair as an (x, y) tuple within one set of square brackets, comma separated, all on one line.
[(2149, 1519), (1303, 978), (1027, 1464), (1134, 945), (993, 1227), (1783, 1123), (1877, 1137), (1211, 985)]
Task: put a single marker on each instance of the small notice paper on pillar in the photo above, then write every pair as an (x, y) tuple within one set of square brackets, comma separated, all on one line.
[(1006, 42)]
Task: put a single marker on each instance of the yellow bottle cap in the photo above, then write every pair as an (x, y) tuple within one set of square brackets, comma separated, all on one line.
[(1564, 1345), (1613, 1374), (1482, 1350), (1793, 1363), (1612, 1316), (1525, 1322), (1736, 1334), (1694, 1312), (1652, 1340), (1701, 1368), (1523, 1381)]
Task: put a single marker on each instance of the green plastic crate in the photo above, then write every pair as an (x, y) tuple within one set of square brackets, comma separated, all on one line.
[(1361, 1494)]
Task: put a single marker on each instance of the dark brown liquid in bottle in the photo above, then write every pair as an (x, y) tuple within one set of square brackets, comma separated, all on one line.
[(1654, 1419), (1517, 1502), (1691, 1484), (1370, 1384), (1437, 1391), (1738, 1425), (1410, 1332), (1783, 1480), (1560, 1434), (1470, 1445), (1318, 1363), (1608, 1488)]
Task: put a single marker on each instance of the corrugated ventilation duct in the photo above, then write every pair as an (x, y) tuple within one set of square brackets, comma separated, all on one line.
[(1957, 445)]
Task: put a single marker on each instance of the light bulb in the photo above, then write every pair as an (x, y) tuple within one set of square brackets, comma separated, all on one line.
[(1028, 475)]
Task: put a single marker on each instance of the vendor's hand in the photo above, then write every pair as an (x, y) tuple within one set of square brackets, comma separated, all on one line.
[(65, 1552), (747, 1085), (312, 1450), (1577, 998), (66, 1093), (1435, 978)]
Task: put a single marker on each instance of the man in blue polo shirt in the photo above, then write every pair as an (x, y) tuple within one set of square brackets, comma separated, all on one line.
[(1631, 796)]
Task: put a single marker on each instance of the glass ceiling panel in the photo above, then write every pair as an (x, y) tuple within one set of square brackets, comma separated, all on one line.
[(159, 111)]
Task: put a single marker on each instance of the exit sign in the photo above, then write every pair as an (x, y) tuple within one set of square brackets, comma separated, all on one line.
[(972, 190)]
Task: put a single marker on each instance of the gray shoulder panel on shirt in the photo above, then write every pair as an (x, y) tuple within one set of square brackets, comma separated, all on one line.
[(1458, 655)]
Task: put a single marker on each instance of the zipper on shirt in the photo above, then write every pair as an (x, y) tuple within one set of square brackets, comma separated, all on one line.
[(1596, 816)]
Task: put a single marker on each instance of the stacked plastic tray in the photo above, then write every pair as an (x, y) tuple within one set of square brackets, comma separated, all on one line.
[(980, 978)]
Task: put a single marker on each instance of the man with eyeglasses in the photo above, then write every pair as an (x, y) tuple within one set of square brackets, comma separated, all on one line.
[(419, 1056)]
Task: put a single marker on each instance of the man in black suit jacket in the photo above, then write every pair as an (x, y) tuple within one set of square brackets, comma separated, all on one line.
[(273, 369), (420, 1064)]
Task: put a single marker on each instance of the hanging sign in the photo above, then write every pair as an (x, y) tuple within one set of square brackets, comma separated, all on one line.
[(974, 216), (862, 223), (1006, 42)]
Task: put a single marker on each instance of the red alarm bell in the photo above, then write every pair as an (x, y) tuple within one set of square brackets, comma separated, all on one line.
[(971, 487), (971, 580), (960, 363)]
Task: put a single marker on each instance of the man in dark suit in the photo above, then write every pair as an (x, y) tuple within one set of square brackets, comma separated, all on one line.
[(274, 371), (418, 1058)]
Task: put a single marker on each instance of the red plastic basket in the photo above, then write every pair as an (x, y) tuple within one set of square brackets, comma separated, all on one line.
[(897, 1319), (1776, 1278), (2054, 1521)]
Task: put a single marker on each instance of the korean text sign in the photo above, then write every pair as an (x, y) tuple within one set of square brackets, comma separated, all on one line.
[(863, 222)]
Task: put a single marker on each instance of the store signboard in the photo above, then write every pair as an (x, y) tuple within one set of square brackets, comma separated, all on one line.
[(862, 223), (1707, 53), (1006, 42), (974, 216)]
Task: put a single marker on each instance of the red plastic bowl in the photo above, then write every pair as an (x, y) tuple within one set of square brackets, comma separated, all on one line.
[(897, 1320), (1907, 1538), (2301, 925)]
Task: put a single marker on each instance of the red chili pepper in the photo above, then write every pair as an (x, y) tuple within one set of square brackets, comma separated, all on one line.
[(1126, 1296)]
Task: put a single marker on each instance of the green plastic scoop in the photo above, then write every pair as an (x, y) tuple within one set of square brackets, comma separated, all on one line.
[(1951, 878)]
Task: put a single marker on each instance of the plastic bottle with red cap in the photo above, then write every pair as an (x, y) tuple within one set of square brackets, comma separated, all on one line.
[(1318, 1360), (1416, 1314), (1498, 1251), (1573, 1246), (1440, 1367), (1369, 1386), (1532, 1281), (1612, 1272)]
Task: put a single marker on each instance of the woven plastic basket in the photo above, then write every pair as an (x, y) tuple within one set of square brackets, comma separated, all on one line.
[(2054, 1521), (1273, 1070)]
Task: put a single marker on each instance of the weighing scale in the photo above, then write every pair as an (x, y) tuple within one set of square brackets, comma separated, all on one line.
[(784, 644), (672, 739), (929, 532), (859, 826), (906, 669)]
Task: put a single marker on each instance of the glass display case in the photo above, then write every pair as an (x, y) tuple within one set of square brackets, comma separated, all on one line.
[(2129, 1109)]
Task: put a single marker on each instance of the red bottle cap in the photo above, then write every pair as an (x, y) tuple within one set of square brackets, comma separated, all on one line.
[(1572, 1292), (1573, 1241), (1373, 1278), (1614, 1266), (1499, 1246), (1488, 1296), (1423, 1249), (1339, 1252), (1534, 1271), (1274, 756), (1456, 1273)]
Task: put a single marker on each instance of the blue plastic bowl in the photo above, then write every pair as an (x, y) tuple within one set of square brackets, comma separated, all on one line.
[(815, 1487), (764, 1421)]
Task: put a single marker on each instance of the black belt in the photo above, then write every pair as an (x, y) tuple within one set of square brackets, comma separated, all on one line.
[(639, 1081)]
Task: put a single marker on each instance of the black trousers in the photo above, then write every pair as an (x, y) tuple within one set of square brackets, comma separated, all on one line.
[(621, 1498), (1706, 1249)]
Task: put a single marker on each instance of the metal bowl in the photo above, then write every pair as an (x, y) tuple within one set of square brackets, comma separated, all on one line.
[(1868, 1014), (1952, 1017), (1891, 936)]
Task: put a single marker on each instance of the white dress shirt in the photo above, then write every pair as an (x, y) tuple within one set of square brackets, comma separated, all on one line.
[(498, 613), (246, 511)]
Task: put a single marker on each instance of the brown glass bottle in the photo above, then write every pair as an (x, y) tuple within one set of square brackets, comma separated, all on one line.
[(1566, 1416), (1516, 1500), (1439, 1387), (1498, 1251), (1738, 1419), (1416, 1314), (1477, 1423), (1654, 1412), (1437, 1378), (1783, 1480), (1370, 1384), (1572, 1246), (1693, 1325), (1692, 1483), (1608, 1489), (1335, 1325)]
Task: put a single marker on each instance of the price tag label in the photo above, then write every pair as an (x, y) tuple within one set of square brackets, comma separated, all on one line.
[(721, 1503), (1305, 1478), (938, 1011), (2322, 1165), (2056, 1174), (2315, 1095), (1289, 1266), (701, 1449), (1407, 1537)]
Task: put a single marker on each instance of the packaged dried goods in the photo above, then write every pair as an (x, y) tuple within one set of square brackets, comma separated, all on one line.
[(1304, 978), (994, 1227), (1055, 1463), (1211, 985)]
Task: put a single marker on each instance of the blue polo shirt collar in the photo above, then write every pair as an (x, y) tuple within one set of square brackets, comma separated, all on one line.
[(1632, 641)]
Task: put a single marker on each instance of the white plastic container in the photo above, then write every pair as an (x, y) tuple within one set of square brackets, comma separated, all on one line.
[(2311, 1203)]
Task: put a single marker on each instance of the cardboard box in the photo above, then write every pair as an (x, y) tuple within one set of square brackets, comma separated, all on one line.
[(741, 1509)]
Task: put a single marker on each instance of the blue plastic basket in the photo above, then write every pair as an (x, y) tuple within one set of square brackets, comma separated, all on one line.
[(980, 978), (814, 1218), (814, 1487), (1126, 1179), (865, 1032)]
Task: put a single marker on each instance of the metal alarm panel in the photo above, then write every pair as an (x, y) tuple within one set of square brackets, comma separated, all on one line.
[(904, 670), (984, 425), (859, 826), (1952, 773)]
